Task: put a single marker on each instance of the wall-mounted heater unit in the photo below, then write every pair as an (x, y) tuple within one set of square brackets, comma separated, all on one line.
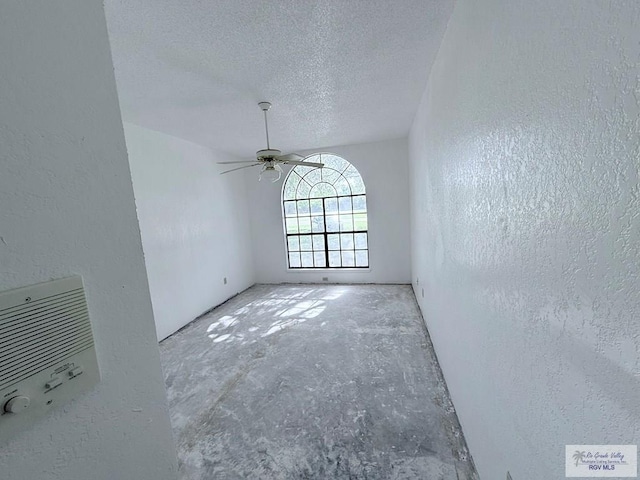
[(47, 354)]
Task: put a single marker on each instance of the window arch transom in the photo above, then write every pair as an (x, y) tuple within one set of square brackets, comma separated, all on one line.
[(325, 215)]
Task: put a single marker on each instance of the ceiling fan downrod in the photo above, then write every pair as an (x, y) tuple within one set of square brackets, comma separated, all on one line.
[(265, 106)]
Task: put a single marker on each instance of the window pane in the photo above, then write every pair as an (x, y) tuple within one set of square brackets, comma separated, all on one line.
[(319, 259), (312, 176), (344, 204), (361, 240), (362, 259), (290, 186), (331, 205), (346, 241), (334, 242), (316, 206), (346, 223), (318, 243), (342, 186), (305, 224), (303, 207), (332, 161), (357, 185), (315, 192), (351, 172), (332, 223), (334, 259), (317, 224), (292, 225), (303, 190), (348, 259), (329, 175), (360, 221), (360, 203), (321, 190), (343, 165), (294, 244), (294, 260), (305, 242), (307, 259), (290, 209)]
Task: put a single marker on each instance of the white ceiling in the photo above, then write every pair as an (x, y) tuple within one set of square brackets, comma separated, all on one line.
[(336, 71)]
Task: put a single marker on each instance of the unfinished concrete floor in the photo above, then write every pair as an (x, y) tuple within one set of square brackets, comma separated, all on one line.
[(312, 382)]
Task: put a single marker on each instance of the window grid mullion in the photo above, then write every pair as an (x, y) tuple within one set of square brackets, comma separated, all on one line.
[(326, 237)]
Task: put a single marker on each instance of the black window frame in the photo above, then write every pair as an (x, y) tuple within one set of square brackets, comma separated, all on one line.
[(325, 234)]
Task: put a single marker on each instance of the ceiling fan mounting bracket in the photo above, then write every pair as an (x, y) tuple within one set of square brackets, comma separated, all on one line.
[(264, 106)]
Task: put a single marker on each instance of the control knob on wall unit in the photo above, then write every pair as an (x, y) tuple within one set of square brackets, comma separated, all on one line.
[(47, 351), (17, 404)]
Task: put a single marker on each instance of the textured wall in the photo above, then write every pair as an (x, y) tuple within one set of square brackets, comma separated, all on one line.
[(525, 201), (194, 225), (67, 207), (385, 170)]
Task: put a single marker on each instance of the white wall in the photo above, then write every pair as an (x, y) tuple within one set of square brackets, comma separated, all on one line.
[(67, 207), (525, 227), (384, 168), (194, 224)]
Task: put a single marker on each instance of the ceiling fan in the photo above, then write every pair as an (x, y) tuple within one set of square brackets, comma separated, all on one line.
[(271, 158)]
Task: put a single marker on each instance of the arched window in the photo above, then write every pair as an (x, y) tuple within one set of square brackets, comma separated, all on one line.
[(325, 215)]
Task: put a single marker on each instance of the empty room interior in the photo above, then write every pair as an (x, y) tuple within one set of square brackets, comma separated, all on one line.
[(319, 239)]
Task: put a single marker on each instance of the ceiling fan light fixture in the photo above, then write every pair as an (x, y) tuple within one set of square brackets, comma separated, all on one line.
[(271, 172)]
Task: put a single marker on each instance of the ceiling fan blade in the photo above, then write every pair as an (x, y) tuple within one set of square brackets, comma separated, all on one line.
[(239, 168), (304, 164), (291, 156), (238, 161)]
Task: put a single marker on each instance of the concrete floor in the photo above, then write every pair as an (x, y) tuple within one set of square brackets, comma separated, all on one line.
[(312, 382)]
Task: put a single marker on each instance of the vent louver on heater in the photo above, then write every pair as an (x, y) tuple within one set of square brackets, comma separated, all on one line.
[(39, 334), (47, 352)]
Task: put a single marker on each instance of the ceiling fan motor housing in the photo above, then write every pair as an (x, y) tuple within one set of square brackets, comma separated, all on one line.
[(268, 154)]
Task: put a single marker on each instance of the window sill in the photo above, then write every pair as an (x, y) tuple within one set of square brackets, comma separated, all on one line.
[(332, 270)]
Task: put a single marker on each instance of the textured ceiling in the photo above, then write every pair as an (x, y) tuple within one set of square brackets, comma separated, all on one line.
[(336, 71)]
